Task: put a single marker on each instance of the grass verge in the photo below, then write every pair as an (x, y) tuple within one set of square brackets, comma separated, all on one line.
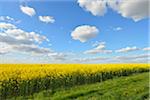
[(134, 87)]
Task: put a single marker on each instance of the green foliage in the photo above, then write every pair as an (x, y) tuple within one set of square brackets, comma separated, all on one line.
[(134, 87)]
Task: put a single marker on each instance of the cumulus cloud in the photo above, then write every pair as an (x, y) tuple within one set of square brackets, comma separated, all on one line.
[(96, 7), (27, 10), (146, 49), (100, 48), (47, 19), (84, 33), (134, 9), (4, 25), (19, 34), (13, 35), (19, 40), (127, 49), (13, 39)]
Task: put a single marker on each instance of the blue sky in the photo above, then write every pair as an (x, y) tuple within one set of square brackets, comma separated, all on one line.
[(122, 34)]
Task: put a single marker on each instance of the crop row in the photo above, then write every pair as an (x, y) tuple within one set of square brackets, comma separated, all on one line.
[(22, 79)]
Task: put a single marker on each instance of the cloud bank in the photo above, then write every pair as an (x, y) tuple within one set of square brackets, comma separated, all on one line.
[(133, 9), (14, 39)]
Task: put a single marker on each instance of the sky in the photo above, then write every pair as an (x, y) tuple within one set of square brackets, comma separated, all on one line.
[(74, 31)]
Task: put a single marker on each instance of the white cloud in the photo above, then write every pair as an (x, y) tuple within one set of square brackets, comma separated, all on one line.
[(58, 56), (34, 49), (84, 33), (127, 49), (100, 48), (19, 40), (134, 9), (13, 39), (146, 49), (27, 10), (91, 59), (140, 58), (96, 51), (96, 7), (30, 49), (47, 19), (113, 4), (96, 43), (6, 26), (132, 57), (6, 18), (9, 19), (117, 29), (18, 36), (4, 48)]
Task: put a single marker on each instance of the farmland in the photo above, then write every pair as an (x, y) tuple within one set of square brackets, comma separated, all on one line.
[(133, 87), (27, 79)]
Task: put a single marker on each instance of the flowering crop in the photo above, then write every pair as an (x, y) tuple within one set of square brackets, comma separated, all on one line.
[(26, 79)]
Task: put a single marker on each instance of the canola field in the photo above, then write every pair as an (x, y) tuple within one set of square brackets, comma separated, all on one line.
[(26, 79)]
